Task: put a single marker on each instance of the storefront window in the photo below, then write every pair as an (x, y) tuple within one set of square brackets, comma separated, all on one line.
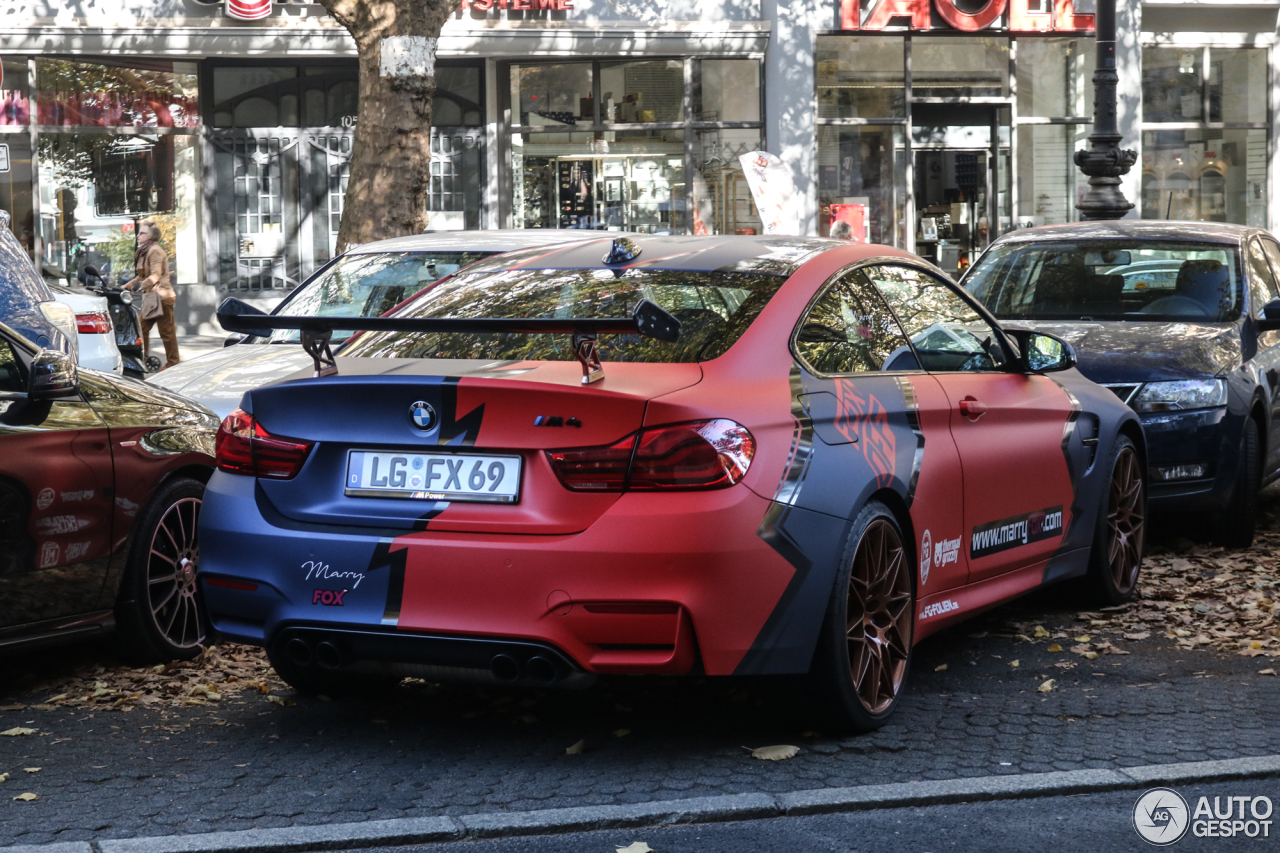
[(246, 96), (544, 95), (861, 77), (1055, 77), (722, 200), (94, 95), (1211, 175), (651, 91), (1237, 85), (15, 187), (1215, 174), (728, 90), (967, 67), (620, 185), (862, 181), (94, 187), (1049, 185), (14, 104), (459, 96)]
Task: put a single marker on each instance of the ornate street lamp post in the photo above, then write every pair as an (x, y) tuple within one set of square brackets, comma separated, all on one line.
[(1104, 161)]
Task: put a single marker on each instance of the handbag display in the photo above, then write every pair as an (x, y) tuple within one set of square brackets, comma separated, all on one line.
[(151, 307)]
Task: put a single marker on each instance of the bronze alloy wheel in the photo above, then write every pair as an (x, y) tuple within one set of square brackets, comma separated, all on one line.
[(878, 621), (1125, 521), (171, 574)]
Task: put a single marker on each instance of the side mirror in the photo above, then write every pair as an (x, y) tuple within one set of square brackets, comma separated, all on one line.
[(90, 269), (1043, 353), (232, 340), (1270, 319), (53, 376)]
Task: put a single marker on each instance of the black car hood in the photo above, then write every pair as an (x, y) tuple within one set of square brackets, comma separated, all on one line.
[(1124, 351)]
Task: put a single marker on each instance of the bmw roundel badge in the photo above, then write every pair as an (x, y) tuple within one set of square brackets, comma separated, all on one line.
[(423, 415)]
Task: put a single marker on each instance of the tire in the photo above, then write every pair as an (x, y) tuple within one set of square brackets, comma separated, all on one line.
[(159, 613), (863, 657), (1236, 523), (312, 680), (153, 364), (1115, 560)]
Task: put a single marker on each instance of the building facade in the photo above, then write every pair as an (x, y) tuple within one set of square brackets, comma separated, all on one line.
[(933, 125)]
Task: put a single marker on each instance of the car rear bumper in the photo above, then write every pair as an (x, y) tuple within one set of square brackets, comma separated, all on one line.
[(655, 583)]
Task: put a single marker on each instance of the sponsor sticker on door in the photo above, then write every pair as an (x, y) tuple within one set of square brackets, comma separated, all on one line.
[(997, 536)]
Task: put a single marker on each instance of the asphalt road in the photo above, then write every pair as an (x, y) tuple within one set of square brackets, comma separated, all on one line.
[(246, 762), (1076, 824)]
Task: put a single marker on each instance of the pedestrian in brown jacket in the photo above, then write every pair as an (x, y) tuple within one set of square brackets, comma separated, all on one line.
[(151, 273)]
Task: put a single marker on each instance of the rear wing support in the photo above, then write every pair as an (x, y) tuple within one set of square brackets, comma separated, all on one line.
[(647, 319)]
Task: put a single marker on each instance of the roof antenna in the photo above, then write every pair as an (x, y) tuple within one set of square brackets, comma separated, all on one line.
[(1168, 207), (621, 250)]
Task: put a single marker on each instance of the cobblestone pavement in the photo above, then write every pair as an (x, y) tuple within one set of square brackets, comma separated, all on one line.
[(248, 761)]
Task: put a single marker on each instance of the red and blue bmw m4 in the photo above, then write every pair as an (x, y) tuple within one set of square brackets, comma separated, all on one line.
[(719, 455)]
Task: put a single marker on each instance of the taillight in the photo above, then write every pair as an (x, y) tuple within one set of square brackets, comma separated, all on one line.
[(698, 455), (93, 323), (245, 447)]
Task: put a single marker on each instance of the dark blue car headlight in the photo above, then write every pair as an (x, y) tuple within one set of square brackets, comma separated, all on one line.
[(1181, 395)]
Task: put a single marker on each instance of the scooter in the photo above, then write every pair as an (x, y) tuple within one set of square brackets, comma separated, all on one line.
[(125, 310)]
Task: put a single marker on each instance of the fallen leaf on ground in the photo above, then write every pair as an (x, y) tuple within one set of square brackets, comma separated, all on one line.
[(1267, 671), (1047, 686), (17, 731), (4, 777), (32, 769), (940, 668), (15, 707), (779, 752), (276, 700), (1090, 655), (26, 798), (1040, 632), (621, 732), (1083, 638), (635, 847), (576, 749), (1015, 663), (1055, 648)]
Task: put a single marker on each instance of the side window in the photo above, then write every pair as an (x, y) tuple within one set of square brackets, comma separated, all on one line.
[(1273, 254), (947, 333), (849, 330), (10, 370), (1262, 286)]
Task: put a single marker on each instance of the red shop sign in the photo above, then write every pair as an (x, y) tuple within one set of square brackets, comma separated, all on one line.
[(1021, 16)]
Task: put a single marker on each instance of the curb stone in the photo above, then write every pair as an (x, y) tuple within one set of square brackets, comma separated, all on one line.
[(733, 807)]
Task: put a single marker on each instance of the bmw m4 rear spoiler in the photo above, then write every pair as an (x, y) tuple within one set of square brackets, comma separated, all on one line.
[(646, 319)]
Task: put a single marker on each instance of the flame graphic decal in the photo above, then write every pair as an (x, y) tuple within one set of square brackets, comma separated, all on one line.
[(863, 420)]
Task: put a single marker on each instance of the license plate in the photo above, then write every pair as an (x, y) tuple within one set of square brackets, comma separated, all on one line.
[(433, 476)]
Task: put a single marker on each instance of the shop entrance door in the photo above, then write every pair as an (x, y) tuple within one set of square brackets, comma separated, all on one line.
[(962, 159)]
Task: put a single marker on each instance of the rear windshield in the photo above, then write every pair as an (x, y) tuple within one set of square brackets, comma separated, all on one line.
[(1109, 280), (714, 310), (368, 285)]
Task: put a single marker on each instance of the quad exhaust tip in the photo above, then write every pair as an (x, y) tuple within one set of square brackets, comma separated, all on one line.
[(299, 652), (505, 668), (541, 670), (328, 655)]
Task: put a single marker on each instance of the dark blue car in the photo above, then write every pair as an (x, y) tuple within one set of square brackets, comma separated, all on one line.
[(1180, 320), (26, 305)]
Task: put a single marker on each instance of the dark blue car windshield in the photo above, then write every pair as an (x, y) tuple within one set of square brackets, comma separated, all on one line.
[(1109, 280)]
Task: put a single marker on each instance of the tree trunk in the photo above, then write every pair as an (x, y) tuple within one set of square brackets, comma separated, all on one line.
[(391, 156)]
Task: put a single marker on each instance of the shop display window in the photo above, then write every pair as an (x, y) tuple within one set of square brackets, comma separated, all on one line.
[(1055, 77), (552, 95), (1237, 85), (964, 67), (1214, 175), (861, 77), (862, 182), (727, 90), (1172, 81), (642, 92), (15, 187), (95, 187), (161, 94), (722, 201), (15, 106)]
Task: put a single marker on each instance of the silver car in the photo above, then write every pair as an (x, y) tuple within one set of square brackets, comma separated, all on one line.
[(366, 281)]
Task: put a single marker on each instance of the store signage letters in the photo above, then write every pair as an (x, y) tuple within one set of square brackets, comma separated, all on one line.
[(521, 5), (1021, 16)]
